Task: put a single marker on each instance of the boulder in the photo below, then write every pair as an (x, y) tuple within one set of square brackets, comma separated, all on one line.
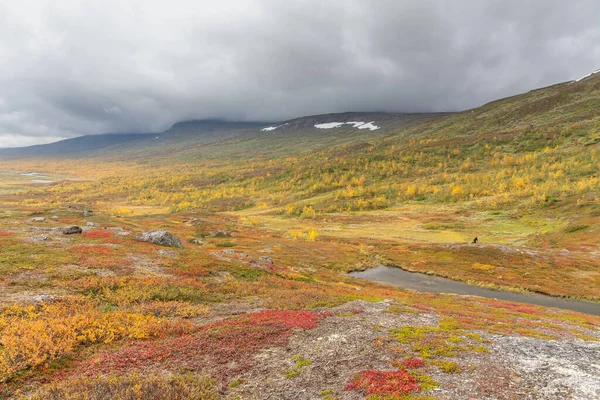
[(87, 213), (161, 237), (44, 298), (221, 234), (38, 219), (72, 230), (55, 217)]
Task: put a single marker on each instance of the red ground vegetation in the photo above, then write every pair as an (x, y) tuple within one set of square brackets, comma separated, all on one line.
[(412, 363), (225, 346), (97, 234), (392, 383)]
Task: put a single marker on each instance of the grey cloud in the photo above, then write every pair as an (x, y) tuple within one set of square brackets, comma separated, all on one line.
[(71, 68)]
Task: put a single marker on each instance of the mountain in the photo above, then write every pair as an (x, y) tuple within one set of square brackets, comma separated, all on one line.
[(214, 137), (76, 147)]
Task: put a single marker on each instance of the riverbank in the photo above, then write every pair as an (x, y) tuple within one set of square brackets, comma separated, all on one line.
[(435, 284)]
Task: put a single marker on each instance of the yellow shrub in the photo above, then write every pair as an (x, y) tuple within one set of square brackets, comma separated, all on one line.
[(308, 212), (457, 191), (483, 267), (133, 386), (33, 335), (312, 235)]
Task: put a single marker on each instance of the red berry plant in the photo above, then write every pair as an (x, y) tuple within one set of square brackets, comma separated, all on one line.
[(225, 346), (389, 383)]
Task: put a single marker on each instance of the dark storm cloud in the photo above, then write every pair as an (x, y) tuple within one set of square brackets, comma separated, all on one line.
[(70, 67)]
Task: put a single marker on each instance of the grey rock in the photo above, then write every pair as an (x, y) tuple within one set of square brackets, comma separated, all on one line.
[(38, 219), (221, 234), (167, 253), (267, 259), (161, 237), (90, 224), (87, 213), (72, 230), (43, 298), (55, 217)]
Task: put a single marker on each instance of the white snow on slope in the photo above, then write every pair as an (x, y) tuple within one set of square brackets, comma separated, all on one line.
[(355, 124), (329, 125), (270, 128), (585, 76), (369, 125)]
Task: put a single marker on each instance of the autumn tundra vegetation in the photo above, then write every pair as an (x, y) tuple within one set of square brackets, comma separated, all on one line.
[(258, 303)]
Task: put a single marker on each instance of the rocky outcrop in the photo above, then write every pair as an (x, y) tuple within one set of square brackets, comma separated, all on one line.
[(161, 237), (72, 230)]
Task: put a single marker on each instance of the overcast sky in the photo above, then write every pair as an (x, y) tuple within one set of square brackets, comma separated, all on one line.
[(69, 68)]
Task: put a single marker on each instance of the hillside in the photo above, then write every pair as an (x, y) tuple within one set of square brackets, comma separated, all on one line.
[(258, 303)]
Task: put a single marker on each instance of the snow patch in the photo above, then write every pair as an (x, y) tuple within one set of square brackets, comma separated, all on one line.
[(585, 76), (269, 128), (355, 124), (369, 125), (329, 125)]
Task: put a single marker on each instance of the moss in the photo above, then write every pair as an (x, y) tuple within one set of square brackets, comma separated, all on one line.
[(575, 228), (301, 363), (449, 367), (236, 382)]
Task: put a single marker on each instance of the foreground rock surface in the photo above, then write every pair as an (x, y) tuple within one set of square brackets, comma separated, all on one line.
[(351, 340), (161, 237)]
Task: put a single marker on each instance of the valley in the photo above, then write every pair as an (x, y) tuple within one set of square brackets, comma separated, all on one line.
[(258, 301)]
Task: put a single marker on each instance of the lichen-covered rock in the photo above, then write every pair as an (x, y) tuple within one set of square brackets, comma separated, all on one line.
[(38, 219), (221, 234), (161, 237), (72, 230)]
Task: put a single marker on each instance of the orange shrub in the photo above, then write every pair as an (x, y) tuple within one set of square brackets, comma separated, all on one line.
[(97, 234), (33, 335)]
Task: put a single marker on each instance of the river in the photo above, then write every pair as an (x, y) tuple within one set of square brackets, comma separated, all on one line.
[(434, 284)]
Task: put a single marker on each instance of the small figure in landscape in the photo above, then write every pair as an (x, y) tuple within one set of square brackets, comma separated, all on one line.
[(475, 240)]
